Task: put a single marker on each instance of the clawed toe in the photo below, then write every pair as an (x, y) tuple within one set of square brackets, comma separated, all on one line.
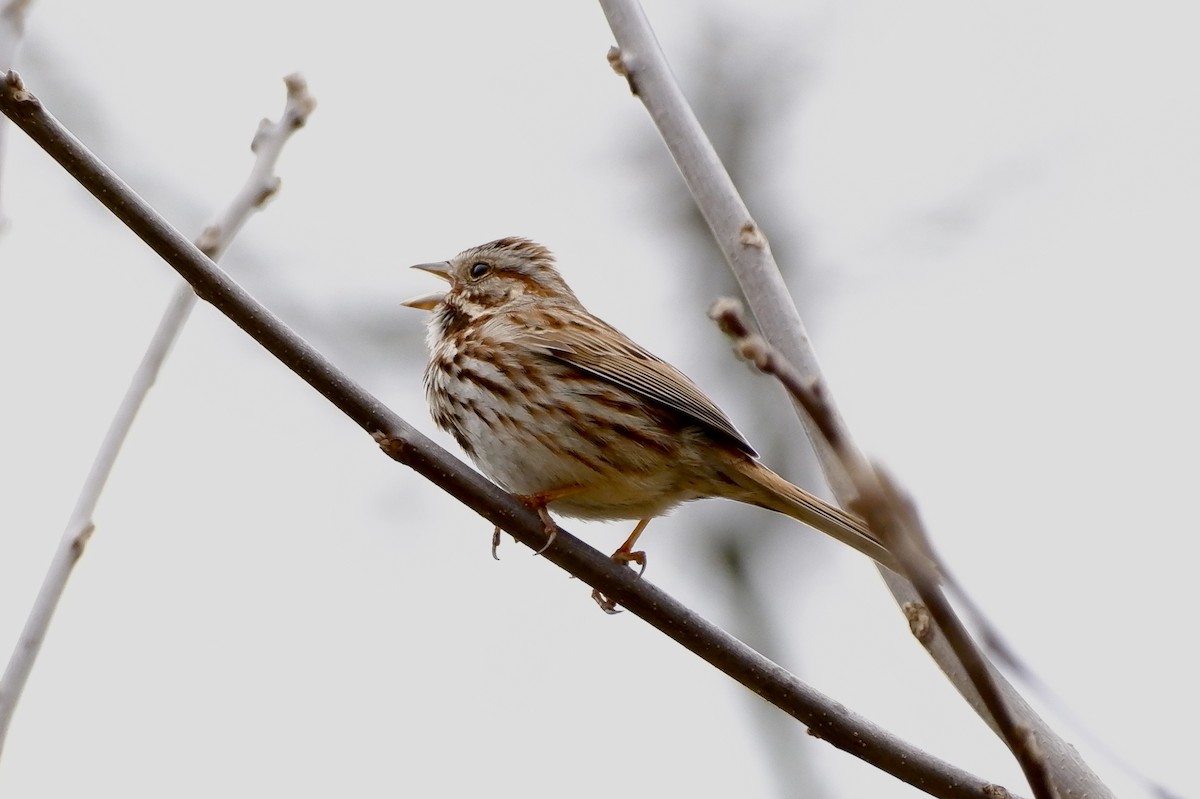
[(626, 557), (551, 530), (539, 502), (551, 534), (606, 604)]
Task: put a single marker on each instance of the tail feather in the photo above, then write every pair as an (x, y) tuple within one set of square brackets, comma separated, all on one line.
[(768, 490)]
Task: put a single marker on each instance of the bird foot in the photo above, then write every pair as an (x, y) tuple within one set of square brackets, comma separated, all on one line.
[(551, 533), (624, 557), (538, 502), (606, 604), (496, 543), (548, 525)]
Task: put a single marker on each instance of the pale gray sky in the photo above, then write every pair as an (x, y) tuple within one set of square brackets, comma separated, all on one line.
[(998, 206)]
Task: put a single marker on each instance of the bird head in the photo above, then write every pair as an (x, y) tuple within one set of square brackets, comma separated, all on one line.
[(493, 275)]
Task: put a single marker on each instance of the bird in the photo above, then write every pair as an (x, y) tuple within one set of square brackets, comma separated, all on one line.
[(572, 416)]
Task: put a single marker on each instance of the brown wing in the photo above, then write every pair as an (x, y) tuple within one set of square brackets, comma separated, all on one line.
[(609, 354)]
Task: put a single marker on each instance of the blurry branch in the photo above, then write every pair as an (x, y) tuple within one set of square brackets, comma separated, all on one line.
[(260, 186), (12, 30), (890, 514), (12, 27), (826, 719), (747, 82), (641, 62)]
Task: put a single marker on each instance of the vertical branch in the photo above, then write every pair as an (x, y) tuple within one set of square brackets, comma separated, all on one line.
[(259, 187), (639, 59), (745, 82)]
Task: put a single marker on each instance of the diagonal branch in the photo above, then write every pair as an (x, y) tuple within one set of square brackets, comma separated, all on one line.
[(640, 60), (260, 186), (825, 718)]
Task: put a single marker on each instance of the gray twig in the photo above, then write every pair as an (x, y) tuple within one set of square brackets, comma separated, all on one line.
[(259, 187)]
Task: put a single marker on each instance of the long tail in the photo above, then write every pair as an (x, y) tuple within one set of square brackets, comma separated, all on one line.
[(768, 490)]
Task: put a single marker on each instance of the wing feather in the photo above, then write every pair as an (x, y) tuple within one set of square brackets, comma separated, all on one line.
[(607, 353)]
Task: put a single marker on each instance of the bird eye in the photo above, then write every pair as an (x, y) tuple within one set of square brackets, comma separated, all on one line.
[(478, 270)]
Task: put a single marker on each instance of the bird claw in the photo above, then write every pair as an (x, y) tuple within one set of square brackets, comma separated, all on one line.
[(624, 557), (549, 524), (551, 534), (606, 604), (538, 502)]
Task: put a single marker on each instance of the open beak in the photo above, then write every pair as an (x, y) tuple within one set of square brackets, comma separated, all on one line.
[(427, 302)]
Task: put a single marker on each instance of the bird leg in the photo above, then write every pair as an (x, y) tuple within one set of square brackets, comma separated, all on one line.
[(538, 502), (625, 554)]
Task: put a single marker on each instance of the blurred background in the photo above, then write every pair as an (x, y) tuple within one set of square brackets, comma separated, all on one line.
[(986, 215)]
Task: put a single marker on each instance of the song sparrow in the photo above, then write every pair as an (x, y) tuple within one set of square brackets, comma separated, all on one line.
[(569, 414)]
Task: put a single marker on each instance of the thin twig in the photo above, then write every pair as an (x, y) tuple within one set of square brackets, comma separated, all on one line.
[(825, 718), (259, 187), (639, 60)]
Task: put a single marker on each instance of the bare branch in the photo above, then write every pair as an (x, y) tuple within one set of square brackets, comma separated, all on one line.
[(641, 62), (825, 718), (260, 185)]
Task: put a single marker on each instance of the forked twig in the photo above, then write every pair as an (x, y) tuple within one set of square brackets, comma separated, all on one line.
[(892, 516)]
